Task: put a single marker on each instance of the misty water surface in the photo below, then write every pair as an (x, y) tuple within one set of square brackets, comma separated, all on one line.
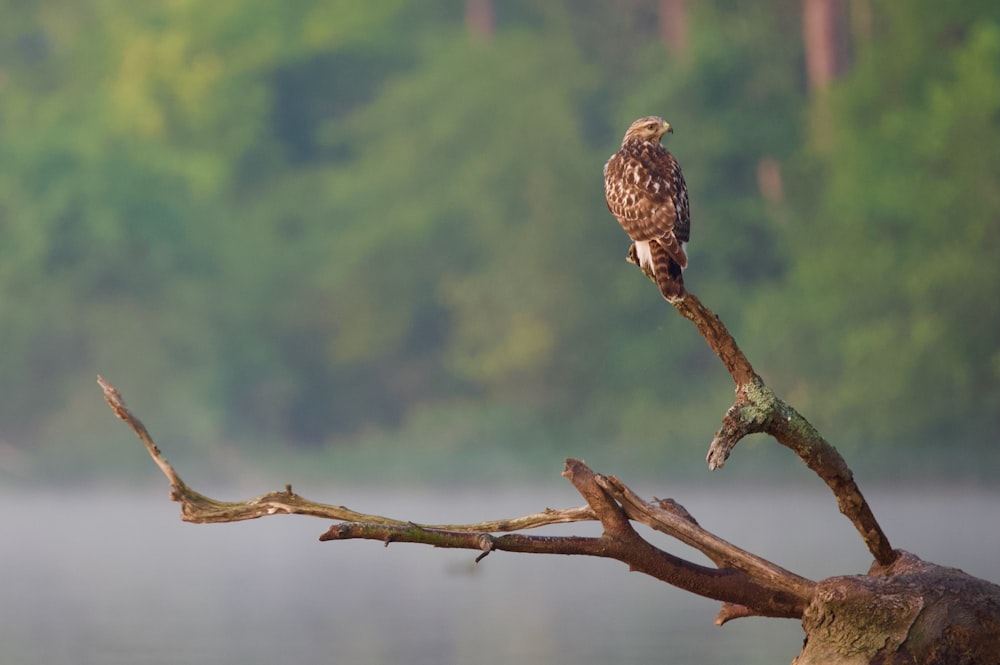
[(117, 578)]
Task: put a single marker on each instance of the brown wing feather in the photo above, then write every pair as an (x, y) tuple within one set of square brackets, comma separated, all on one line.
[(682, 224), (645, 191)]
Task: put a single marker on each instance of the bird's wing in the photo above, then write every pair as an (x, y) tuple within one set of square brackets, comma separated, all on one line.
[(640, 190), (682, 222), (639, 197)]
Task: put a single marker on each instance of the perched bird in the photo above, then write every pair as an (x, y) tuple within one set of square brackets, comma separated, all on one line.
[(646, 192)]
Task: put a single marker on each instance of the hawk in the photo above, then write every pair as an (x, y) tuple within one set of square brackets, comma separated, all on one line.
[(646, 193)]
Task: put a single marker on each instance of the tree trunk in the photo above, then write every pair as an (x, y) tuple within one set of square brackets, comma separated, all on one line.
[(480, 20), (909, 613), (674, 26), (819, 32)]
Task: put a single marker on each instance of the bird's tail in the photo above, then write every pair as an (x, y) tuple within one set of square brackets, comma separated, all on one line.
[(668, 273)]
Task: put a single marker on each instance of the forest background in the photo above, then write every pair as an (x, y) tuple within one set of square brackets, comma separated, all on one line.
[(370, 238)]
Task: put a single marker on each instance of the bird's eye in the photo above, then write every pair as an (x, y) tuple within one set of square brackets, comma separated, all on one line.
[(651, 126)]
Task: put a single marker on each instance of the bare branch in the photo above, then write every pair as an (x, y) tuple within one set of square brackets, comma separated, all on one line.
[(758, 410), (754, 593), (758, 586), (717, 335), (760, 594), (511, 542), (200, 509), (676, 522), (117, 404)]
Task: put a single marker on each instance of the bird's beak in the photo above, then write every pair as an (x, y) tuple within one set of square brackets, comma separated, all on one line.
[(667, 129)]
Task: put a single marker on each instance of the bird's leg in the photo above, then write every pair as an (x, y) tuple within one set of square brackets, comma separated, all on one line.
[(633, 257)]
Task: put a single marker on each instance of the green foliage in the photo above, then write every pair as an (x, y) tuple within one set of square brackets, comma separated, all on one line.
[(896, 275), (328, 223)]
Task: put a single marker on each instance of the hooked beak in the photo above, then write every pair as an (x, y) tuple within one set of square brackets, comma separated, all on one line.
[(667, 129)]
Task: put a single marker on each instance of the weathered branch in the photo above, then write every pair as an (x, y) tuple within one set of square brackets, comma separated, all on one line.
[(717, 335), (670, 518), (758, 587), (200, 509), (468, 540), (759, 593), (759, 410), (753, 586)]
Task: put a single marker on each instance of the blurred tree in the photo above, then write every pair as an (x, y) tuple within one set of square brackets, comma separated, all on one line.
[(485, 202), (674, 26), (733, 103), (301, 221), (895, 267), (479, 18)]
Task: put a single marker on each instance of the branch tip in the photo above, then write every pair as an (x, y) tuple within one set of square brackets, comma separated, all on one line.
[(732, 611)]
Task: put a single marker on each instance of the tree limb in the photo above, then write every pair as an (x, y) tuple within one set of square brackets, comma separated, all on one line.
[(670, 518), (200, 509), (758, 593), (753, 586), (759, 410)]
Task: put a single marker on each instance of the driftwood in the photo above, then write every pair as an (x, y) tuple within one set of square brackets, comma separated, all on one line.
[(903, 611)]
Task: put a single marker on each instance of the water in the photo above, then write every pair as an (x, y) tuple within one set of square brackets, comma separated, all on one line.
[(115, 577)]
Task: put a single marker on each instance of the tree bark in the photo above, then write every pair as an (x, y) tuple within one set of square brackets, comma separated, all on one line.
[(911, 612)]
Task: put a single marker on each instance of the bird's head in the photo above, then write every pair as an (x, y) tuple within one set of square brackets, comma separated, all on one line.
[(650, 128)]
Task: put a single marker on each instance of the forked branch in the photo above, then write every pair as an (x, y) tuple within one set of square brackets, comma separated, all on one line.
[(747, 585), (758, 410)]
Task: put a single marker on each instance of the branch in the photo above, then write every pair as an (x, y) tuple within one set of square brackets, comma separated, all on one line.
[(200, 509), (748, 585), (672, 519), (758, 410), (739, 583), (458, 539)]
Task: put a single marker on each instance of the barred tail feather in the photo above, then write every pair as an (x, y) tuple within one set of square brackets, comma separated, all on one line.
[(668, 273)]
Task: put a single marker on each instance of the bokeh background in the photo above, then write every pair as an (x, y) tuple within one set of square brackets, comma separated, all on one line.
[(342, 228), (363, 247)]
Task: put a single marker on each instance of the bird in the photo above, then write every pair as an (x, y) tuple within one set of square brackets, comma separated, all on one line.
[(646, 192)]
